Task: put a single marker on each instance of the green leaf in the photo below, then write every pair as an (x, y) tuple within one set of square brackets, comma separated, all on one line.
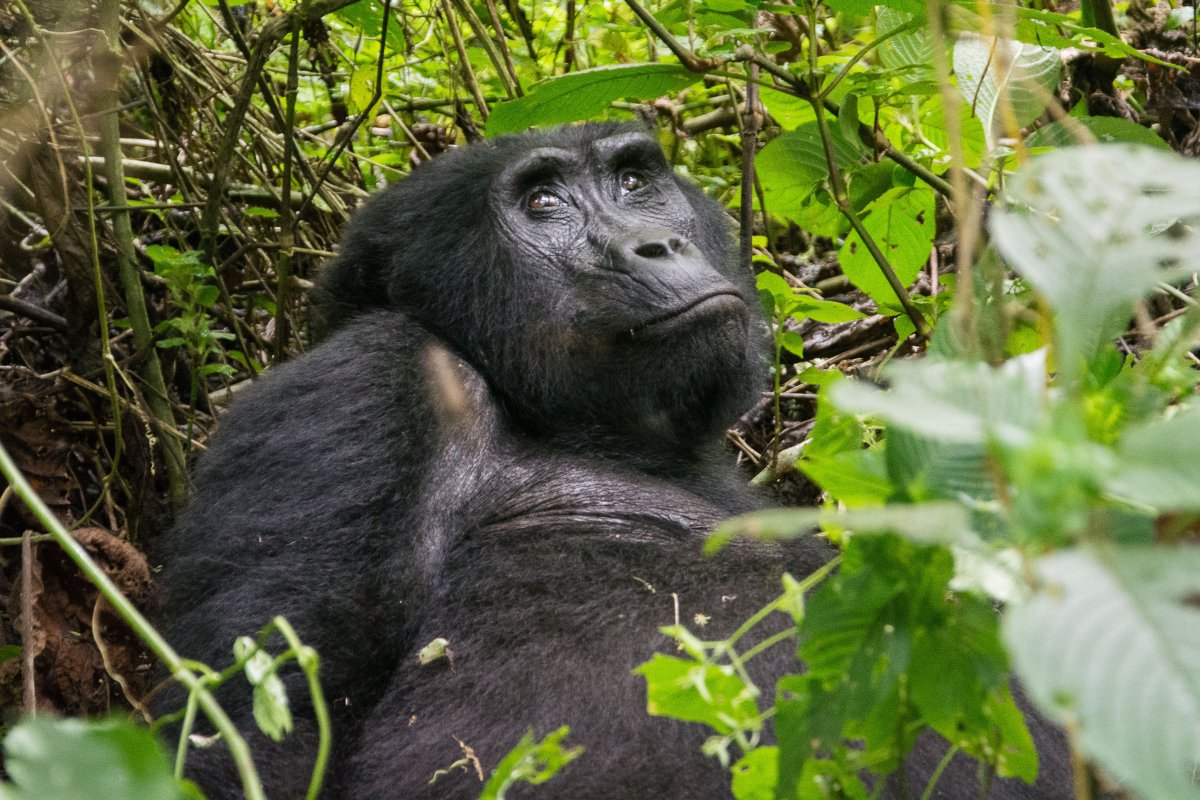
[(934, 126), (792, 342), (76, 759), (902, 224), (695, 691), (805, 307), (1159, 465), (927, 469), (1110, 645), (1093, 229), (793, 164), (362, 88), (1105, 130), (936, 522), (271, 711), (755, 774), (586, 94), (955, 401), (530, 762), (993, 72), (788, 110), (910, 49)]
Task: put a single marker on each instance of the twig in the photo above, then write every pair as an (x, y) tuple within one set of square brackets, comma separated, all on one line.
[(749, 149), (35, 313), (287, 236), (29, 688), (686, 57), (463, 61)]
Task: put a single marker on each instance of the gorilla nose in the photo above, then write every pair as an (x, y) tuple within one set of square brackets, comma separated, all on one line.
[(649, 249), (660, 247)]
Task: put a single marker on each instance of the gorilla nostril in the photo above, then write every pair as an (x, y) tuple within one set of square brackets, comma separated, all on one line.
[(653, 249), (676, 244)]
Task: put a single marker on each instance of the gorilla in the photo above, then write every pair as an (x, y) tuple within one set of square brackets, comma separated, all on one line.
[(510, 439)]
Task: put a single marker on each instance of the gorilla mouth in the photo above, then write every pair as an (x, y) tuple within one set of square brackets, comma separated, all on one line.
[(722, 301)]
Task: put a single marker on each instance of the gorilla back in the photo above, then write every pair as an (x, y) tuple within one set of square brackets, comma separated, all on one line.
[(510, 440)]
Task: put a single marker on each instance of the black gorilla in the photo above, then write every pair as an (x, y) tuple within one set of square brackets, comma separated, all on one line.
[(511, 440)]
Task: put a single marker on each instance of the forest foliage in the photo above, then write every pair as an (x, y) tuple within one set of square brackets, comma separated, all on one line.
[(1007, 192)]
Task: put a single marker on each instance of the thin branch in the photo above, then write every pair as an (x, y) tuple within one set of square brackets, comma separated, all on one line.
[(35, 313)]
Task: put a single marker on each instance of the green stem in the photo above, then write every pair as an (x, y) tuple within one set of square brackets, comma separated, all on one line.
[(157, 398), (838, 187), (140, 626)]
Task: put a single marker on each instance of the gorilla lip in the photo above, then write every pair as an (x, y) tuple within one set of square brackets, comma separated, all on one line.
[(720, 300)]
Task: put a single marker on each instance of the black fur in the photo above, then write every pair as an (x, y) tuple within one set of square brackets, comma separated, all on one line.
[(509, 442)]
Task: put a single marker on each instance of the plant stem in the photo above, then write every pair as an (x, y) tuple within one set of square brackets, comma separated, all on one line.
[(140, 626), (157, 398), (838, 187)]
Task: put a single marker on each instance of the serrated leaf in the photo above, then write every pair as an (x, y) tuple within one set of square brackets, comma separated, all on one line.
[(995, 73), (927, 469), (1111, 644), (902, 224), (586, 94), (695, 691), (1093, 229), (954, 401), (530, 762)]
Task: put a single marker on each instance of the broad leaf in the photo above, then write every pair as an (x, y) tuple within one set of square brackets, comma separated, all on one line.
[(586, 95), (956, 402), (901, 222), (1110, 645), (1007, 84), (793, 164), (1095, 228), (76, 759), (1159, 463), (1086, 130)]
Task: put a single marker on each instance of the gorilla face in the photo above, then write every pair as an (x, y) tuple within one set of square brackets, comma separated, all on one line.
[(618, 300), (596, 290)]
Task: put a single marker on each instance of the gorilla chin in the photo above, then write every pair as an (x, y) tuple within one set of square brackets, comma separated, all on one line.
[(511, 438)]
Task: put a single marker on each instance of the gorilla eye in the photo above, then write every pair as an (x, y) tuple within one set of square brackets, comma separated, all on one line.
[(542, 200), (631, 181)]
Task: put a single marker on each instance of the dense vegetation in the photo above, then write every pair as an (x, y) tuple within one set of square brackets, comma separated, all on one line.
[(911, 178)]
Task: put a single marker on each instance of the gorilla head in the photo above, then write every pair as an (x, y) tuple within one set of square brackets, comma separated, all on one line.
[(597, 291)]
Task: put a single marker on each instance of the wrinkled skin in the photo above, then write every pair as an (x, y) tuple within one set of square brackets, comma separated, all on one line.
[(511, 439)]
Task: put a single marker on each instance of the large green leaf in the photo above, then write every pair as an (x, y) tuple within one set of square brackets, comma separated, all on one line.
[(76, 759), (956, 402), (586, 95), (793, 164), (1105, 130), (1110, 644), (999, 76), (910, 49), (1159, 464), (902, 224), (1095, 228)]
